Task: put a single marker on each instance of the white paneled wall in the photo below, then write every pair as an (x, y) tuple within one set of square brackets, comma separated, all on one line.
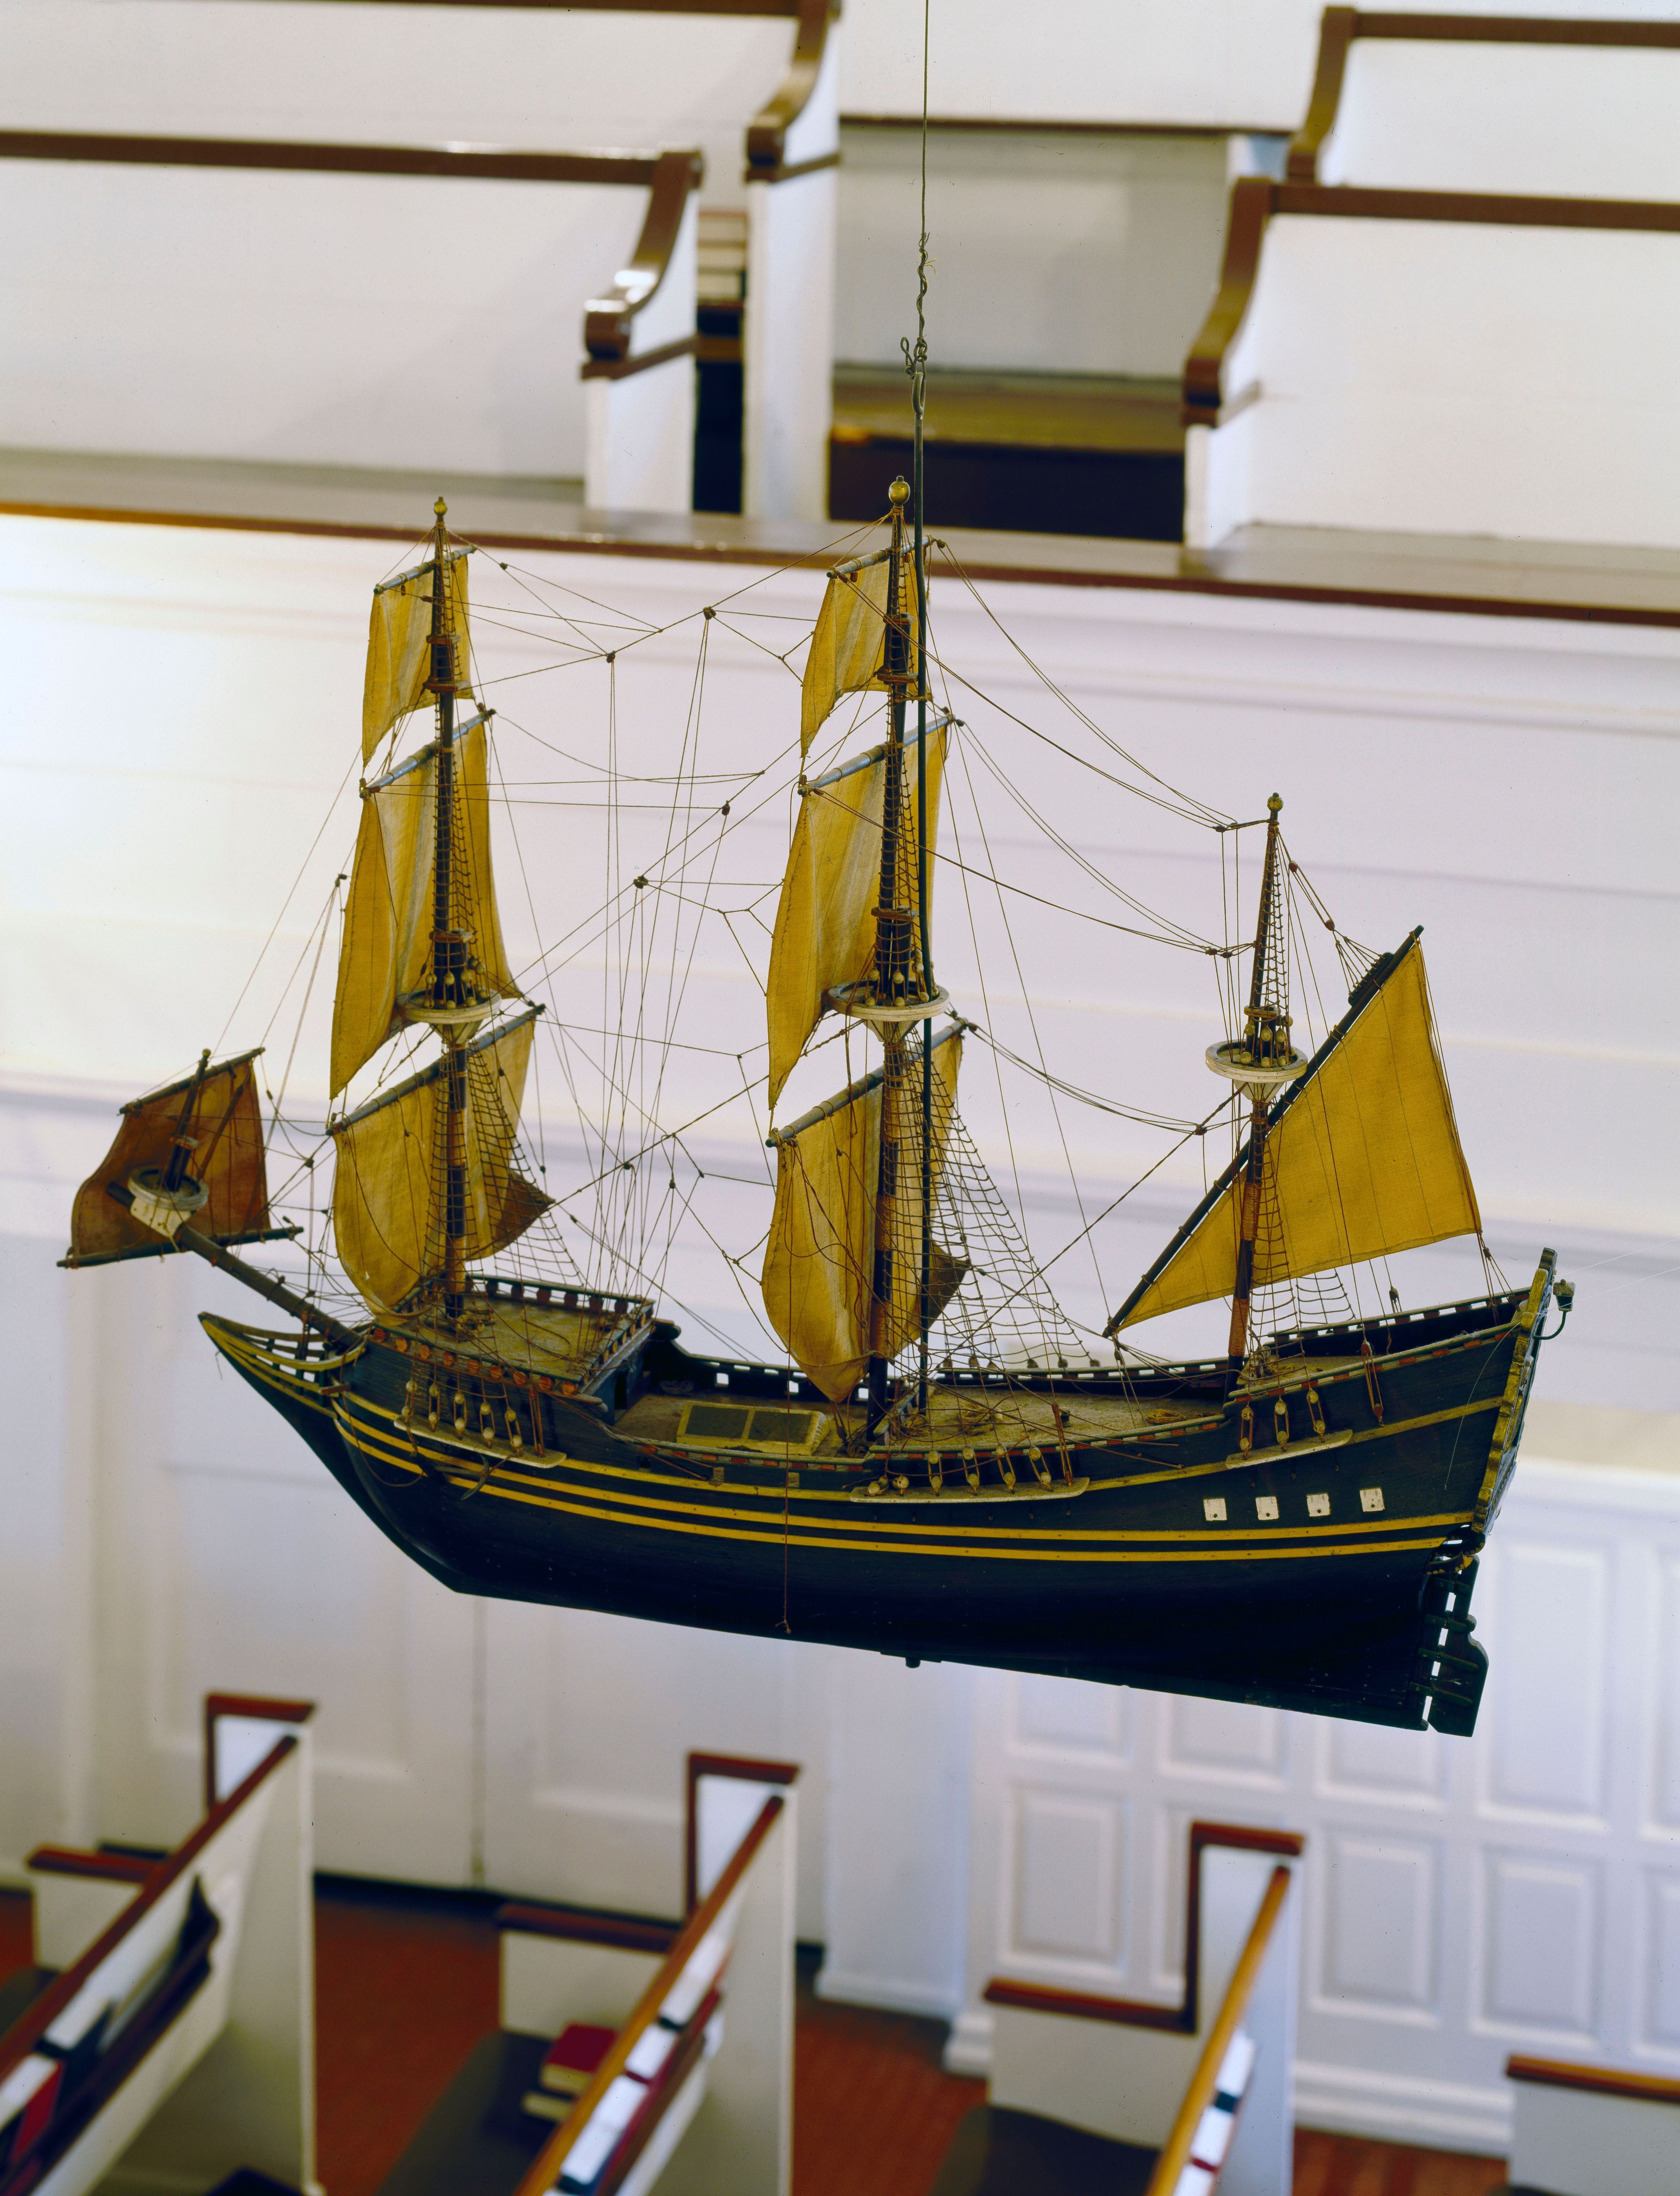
[(184, 709), (1520, 1890)]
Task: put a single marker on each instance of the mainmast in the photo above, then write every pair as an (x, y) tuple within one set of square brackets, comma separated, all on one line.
[(450, 946), (1260, 1063)]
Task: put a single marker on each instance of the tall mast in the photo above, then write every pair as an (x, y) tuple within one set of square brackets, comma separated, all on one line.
[(1265, 1047), (449, 945), (893, 976)]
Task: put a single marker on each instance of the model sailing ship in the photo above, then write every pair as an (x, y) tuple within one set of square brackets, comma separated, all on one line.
[(937, 1470)]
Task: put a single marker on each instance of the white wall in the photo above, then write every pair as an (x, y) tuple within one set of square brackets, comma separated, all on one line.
[(1053, 253), (183, 705)]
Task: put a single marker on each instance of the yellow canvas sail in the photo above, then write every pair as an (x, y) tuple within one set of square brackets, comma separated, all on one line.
[(819, 1260), (386, 951), (849, 640), (825, 929), (398, 630), (1362, 1153), (387, 1192)]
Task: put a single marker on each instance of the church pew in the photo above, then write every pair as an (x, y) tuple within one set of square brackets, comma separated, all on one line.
[(712, 1995), (1592, 2131), (1150, 2099), (176, 2046), (1580, 106), (748, 84), (1437, 362)]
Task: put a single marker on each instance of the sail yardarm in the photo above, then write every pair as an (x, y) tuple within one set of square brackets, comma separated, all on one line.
[(825, 928), (386, 951), (1362, 1158), (849, 643), (398, 631), (387, 1226), (819, 1259), (227, 1159)]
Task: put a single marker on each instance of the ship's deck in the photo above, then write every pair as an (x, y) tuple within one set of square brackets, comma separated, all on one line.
[(560, 1340)]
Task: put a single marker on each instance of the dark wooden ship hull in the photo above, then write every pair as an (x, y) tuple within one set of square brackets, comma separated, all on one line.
[(1327, 1565)]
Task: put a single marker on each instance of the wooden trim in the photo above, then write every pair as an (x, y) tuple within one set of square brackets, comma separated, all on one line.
[(1339, 26), (1163, 2181), (1601, 2081), (621, 369), (624, 1933), (1021, 125), (1158, 569), (749, 1770), (107, 1867), (767, 131), (609, 321), (36, 2017), (259, 1708), (1140, 2012), (1337, 32), (1255, 199), (792, 174), (494, 164), (543, 2174), (771, 8)]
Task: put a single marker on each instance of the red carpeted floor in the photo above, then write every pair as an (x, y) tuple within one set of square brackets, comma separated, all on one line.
[(406, 1985)]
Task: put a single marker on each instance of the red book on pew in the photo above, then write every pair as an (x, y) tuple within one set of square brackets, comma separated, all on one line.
[(569, 2062)]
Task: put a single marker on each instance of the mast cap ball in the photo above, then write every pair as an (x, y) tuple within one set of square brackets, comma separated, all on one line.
[(440, 507), (900, 490), (1275, 803)]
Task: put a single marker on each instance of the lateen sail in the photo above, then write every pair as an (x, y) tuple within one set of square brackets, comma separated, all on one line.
[(397, 633), (819, 1260), (387, 1205), (825, 928), (387, 947), (225, 1130), (1363, 1152), (850, 639)]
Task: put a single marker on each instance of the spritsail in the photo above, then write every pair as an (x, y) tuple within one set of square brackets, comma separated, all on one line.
[(1362, 1159)]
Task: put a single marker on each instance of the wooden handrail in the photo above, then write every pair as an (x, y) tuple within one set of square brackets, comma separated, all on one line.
[(543, 2174), (767, 131), (749, 1770), (1338, 27), (609, 321), (1255, 199), (94, 1867), (1163, 2182), (257, 1707), (38, 2016), (624, 1933), (1179, 2019), (479, 163), (1601, 2081)]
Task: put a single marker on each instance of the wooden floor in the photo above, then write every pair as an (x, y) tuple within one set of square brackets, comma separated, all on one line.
[(406, 1985)]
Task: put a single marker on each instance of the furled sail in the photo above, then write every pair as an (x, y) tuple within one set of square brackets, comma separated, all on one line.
[(825, 928), (819, 1260), (388, 1190), (224, 1129), (849, 643), (1362, 1153), (386, 951), (397, 633)]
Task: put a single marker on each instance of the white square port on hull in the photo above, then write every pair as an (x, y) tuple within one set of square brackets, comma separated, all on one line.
[(1318, 1505), (1265, 1508), (1371, 1498), (1213, 1509)]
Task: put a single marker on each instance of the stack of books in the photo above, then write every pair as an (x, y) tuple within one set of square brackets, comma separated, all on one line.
[(568, 2067)]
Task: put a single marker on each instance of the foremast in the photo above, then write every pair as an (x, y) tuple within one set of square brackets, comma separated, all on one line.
[(450, 944)]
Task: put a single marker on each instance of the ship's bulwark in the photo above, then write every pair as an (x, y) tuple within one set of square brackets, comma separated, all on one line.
[(1332, 1604)]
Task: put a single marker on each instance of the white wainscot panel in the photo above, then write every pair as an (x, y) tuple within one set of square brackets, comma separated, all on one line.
[(1226, 1741), (1070, 1852), (1547, 1691), (1067, 1713), (1381, 1926), (274, 1584), (1363, 1761), (1665, 1757), (1539, 1943), (1660, 1947)]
